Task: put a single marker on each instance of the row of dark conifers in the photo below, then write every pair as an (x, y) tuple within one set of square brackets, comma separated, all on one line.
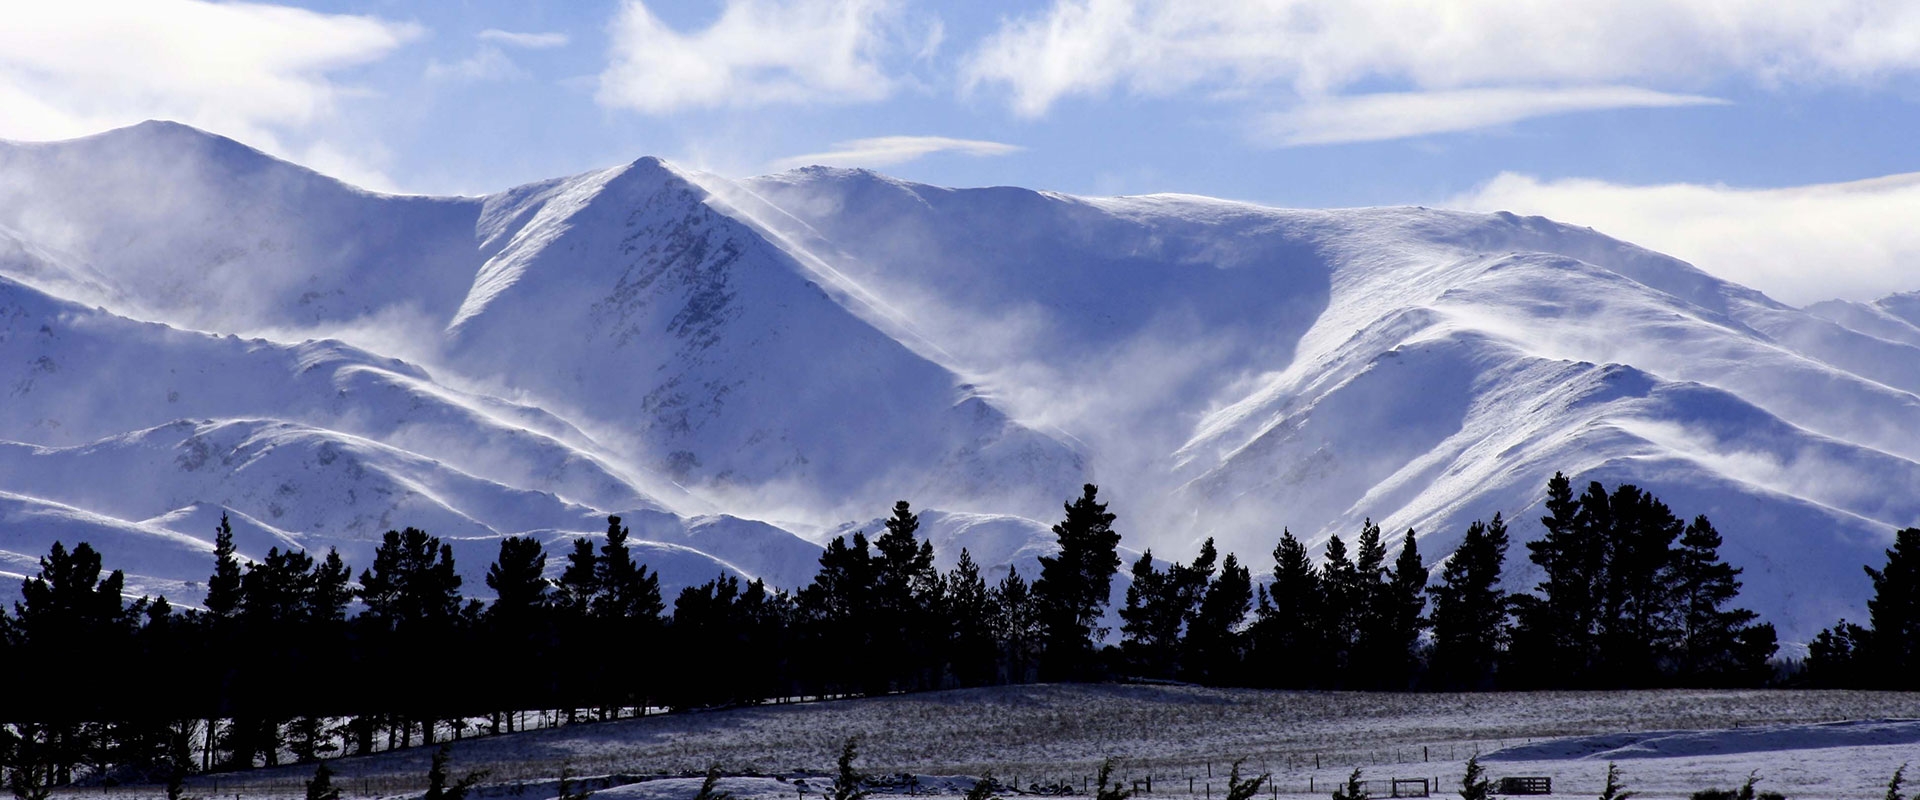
[(295, 658)]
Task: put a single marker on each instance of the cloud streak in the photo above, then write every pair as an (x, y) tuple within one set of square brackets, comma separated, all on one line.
[(1803, 244), (529, 41), (881, 151), (757, 53), (1399, 115)]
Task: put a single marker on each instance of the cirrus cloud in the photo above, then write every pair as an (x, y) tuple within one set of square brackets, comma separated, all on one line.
[(1398, 115), (530, 41), (881, 151)]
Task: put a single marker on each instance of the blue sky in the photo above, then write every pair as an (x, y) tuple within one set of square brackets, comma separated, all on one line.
[(1745, 136)]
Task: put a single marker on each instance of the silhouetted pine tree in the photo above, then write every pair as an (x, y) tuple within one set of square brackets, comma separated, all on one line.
[(332, 590), (519, 583), (625, 607), (1372, 663), (1894, 610), (625, 590), (1346, 596), (73, 623), (766, 619), (837, 609), (970, 612), (1149, 620), (710, 642), (1556, 632), (1718, 646), (1074, 585), (281, 618), (1402, 604), (1639, 629), (1837, 657), (223, 588), (413, 582), (579, 583), (1187, 588), (1213, 640), (1016, 628), (908, 600), (1289, 645), (1470, 610), (734, 639), (412, 594)]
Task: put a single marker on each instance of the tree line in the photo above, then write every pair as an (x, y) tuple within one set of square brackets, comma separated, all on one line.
[(293, 658)]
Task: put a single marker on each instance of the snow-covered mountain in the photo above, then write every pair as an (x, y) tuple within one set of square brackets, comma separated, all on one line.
[(738, 368)]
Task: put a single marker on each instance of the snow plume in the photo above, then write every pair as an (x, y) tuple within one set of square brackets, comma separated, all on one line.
[(808, 347), (759, 52), (1801, 244), (203, 232)]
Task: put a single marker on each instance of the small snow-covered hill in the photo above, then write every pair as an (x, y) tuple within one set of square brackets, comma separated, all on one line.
[(739, 368)]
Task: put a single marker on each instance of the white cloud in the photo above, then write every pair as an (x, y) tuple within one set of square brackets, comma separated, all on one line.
[(247, 70), (530, 41), (883, 151), (1315, 48), (759, 52), (1803, 244), (230, 66), (1398, 115)]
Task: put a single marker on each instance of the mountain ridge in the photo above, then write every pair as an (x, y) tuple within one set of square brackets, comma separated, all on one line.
[(706, 355)]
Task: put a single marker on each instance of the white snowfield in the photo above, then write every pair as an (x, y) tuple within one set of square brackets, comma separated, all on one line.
[(1186, 738), (739, 368), (1833, 761)]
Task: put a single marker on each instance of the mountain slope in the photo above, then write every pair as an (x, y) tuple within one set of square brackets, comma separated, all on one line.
[(1422, 368), (705, 356), (659, 311)]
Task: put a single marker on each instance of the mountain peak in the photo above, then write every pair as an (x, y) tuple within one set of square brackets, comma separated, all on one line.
[(807, 346), (181, 138)]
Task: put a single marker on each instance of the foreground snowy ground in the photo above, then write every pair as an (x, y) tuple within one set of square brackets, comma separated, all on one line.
[(1668, 743)]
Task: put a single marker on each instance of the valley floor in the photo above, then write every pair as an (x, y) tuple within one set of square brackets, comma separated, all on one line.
[(1668, 743)]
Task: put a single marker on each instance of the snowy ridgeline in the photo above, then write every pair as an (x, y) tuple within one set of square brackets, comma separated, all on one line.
[(740, 367)]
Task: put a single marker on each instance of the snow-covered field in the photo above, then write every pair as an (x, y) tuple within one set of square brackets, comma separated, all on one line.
[(1668, 743)]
